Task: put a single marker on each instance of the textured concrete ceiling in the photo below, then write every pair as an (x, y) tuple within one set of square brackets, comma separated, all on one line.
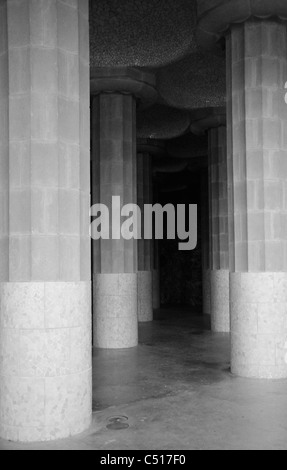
[(141, 32), (162, 122), (159, 36), (196, 81)]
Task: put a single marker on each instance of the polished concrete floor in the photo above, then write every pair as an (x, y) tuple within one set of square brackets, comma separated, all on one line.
[(176, 392)]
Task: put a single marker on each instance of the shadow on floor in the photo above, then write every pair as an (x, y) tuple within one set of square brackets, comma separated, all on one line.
[(171, 356), (175, 392)]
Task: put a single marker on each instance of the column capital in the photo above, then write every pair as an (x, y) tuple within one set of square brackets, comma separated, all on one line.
[(153, 147), (216, 16), (170, 165), (130, 81), (208, 119)]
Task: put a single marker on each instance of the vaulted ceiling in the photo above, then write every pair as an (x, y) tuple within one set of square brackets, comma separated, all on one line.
[(159, 35)]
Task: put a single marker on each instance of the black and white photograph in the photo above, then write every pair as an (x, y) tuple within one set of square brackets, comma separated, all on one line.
[(143, 228)]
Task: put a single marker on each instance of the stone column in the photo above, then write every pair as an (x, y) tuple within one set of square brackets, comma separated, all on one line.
[(257, 127), (45, 309), (154, 148), (114, 173), (145, 281), (206, 284), (257, 172), (219, 249), (214, 122), (156, 276)]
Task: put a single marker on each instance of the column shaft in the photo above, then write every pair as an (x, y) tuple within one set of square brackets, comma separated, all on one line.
[(218, 240), (145, 280), (257, 173), (206, 286), (45, 322), (156, 276), (155, 262), (115, 261)]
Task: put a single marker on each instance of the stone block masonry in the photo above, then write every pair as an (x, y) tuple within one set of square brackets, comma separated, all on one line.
[(45, 259)]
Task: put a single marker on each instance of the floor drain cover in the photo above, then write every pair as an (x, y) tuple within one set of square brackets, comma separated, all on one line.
[(117, 423)]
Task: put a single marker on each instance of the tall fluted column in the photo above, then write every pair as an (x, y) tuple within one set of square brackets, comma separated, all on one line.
[(206, 285), (45, 265), (257, 123), (154, 148), (156, 299), (144, 196), (219, 243), (114, 173), (257, 145), (214, 122)]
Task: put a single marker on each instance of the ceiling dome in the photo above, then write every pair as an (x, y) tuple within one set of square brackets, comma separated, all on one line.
[(146, 33), (196, 81), (162, 122)]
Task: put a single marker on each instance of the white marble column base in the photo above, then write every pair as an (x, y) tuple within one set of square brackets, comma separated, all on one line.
[(156, 289), (220, 311), (145, 307), (115, 320), (45, 360), (206, 291), (258, 303)]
